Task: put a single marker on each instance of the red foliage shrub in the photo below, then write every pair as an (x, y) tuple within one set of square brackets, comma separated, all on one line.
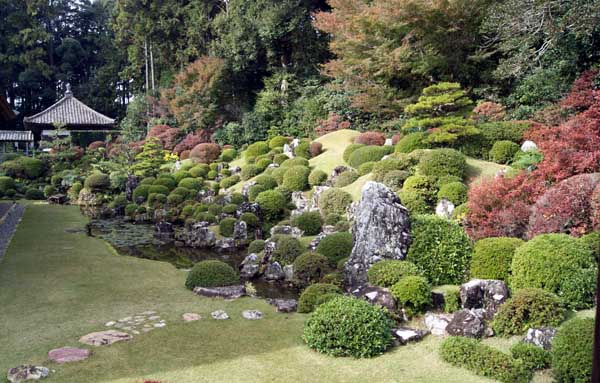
[(566, 207), (185, 154), (370, 138), (96, 145), (192, 140), (489, 111), (581, 96), (315, 148), (206, 152), (331, 124), (165, 134), (395, 138)]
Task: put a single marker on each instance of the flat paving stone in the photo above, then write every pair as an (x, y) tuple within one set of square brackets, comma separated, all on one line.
[(219, 315), (252, 314), (104, 338), (191, 317), (26, 372), (68, 354)]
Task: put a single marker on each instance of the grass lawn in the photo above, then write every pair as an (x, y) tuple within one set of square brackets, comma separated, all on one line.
[(56, 286), (480, 169), (334, 145)]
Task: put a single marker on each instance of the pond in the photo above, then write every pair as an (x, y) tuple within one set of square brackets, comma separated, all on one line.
[(138, 240)]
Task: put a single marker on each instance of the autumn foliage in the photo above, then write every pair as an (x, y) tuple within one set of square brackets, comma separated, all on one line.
[(166, 135), (370, 138), (192, 140), (206, 152), (333, 123)]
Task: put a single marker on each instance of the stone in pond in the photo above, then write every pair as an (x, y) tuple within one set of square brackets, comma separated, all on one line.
[(284, 305), (26, 372), (191, 317), (405, 335), (219, 315), (68, 354), (227, 292), (249, 266), (252, 314), (103, 338)]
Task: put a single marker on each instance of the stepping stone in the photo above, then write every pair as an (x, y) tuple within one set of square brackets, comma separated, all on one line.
[(160, 325), (136, 332), (405, 335), (227, 292), (191, 317), (68, 354), (252, 314), (126, 319), (284, 305), (110, 324), (148, 313), (155, 317), (103, 338), (219, 315), (26, 372), (148, 329)]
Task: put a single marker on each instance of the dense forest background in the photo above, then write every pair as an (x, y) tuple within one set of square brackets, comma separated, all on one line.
[(241, 70)]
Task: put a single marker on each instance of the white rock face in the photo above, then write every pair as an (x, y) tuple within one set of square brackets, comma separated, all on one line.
[(444, 208), (437, 323), (529, 146)]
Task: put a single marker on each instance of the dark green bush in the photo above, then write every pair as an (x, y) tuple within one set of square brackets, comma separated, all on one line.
[(295, 178), (412, 141), (97, 182), (388, 272), (140, 192), (347, 326), (336, 246), (174, 199), (211, 274), (557, 263), (528, 308), (256, 149), (278, 142), (440, 248), (455, 192), (6, 183), (484, 360), (349, 150), (256, 246), (215, 209), (272, 204), (296, 161), (191, 183), (250, 171), (414, 202), (158, 189), (205, 217), (533, 357), (288, 249), (334, 278), (572, 350), (368, 154), (230, 208), (503, 151), (308, 299), (49, 190), (303, 149), (156, 199), (366, 168), (346, 178), (34, 194), (442, 162), (317, 177), (251, 220), (226, 226), (334, 201), (228, 182), (167, 181), (332, 219), (413, 293), (492, 257), (24, 168), (131, 209), (267, 181), (310, 268), (309, 222), (181, 174), (395, 179), (147, 181)]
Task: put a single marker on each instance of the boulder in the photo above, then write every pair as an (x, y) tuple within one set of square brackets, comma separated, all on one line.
[(437, 323), (288, 271), (286, 230), (486, 294), (198, 235), (302, 203), (248, 207), (225, 244), (284, 305), (327, 230), (206, 196), (405, 335), (240, 230), (252, 314), (388, 142), (377, 296), (219, 315), (467, 323), (68, 354), (288, 151), (227, 292), (272, 166), (318, 190), (26, 372), (164, 230), (270, 247), (541, 337), (381, 231), (274, 272), (57, 199), (234, 170), (246, 188), (529, 146), (444, 208), (191, 317), (249, 267), (104, 338)]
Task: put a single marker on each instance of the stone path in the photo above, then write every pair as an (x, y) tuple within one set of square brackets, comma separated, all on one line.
[(10, 216), (138, 323)]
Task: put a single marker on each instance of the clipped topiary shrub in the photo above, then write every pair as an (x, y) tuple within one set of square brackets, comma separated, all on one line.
[(181, 174), (334, 201), (366, 168), (272, 204), (455, 192), (296, 178), (256, 149), (278, 142), (191, 183), (97, 182), (533, 357), (557, 263), (211, 273), (411, 142), (205, 152), (140, 192), (309, 222), (6, 183), (413, 293), (484, 360), (370, 138), (349, 150), (383, 167), (302, 150), (422, 185), (250, 171), (503, 151), (228, 155), (251, 220), (167, 181), (388, 272), (267, 181), (263, 163), (226, 227), (49, 190), (395, 179), (228, 182), (309, 297), (347, 326), (346, 178), (174, 199), (197, 171), (158, 189), (317, 178), (442, 162), (572, 350), (256, 246), (310, 268), (23, 167), (528, 308), (336, 246), (34, 194), (368, 154), (440, 248), (492, 257), (296, 161), (288, 249), (414, 202)]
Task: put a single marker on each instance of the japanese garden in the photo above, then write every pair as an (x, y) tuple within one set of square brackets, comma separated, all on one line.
[(299, 190)]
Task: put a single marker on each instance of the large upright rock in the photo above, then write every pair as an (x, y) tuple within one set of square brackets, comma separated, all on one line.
[(381, 231)]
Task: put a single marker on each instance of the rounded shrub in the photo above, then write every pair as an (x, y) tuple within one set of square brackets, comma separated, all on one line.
[(250, 171), (296, 178), (97, 182), (503, 151), (215, 209), (212, 175), (251, 220), (455, 192), (492, 257), (307, 301), (183, 192), (413, 293), (202, 216), (131, 209), (200, 170), (6, 183), (156, 198), (296, 161), (528, 308), (140, 192), (191, 183), (256, 149), (442, 162), (366, 168), (310, 268), (49, 191), (158, 189), (228, 182), (414, 202), (412, 141), (440, 248), (334, 201), (267, 181), (23, 167), (310, 222), (34, 194), (572, 351), (278, 142), (272, 203), (383, 167), (370, 138), (302, 150), (349, 150), (317, 177), (347, 326), (336, 246), (395, 179), (167, 181), (256, 246), (254, 191), (211, 273), (228, 155), (288, 249), (263, 163), (226, 226), (206, 152), (422, 185), (174, 199), (280, 158), (533, 357), (557, 263), (181, 174), (368, 154), (388, 272), (229, 208), (346, 178)]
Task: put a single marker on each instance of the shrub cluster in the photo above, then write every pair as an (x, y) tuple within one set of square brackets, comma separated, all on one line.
[(295, 178), (533, 357), (336, 246), (346, 178), (272, 204), (492, 257), (368, 154), (455, 192), (312, 295), (97, 182), (206, 152), (334, 201), (412, 142), (572, 350), (388, 272), (226, 226), (503, 151), (370, 138), (310, 267), (288, 249), (211, 274), (413, 293), (317, 178), (442, 162), (310, 222)]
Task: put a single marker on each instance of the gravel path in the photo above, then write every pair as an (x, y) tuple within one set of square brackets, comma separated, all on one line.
[(11, 215)]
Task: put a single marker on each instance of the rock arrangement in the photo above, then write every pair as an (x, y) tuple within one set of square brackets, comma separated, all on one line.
[(227, 292), (68, 354), (381, 231), (26, 372), (139, 323)]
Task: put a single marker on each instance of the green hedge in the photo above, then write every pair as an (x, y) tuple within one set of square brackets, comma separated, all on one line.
[(211, 273), (310, 267), (492, 257), (334, 201), (572, 350), (442, 162), (309, 297), (388, 272), (296, 178), (310, 222), (413, 293), (34, 194), (336, 246), (533, 357)]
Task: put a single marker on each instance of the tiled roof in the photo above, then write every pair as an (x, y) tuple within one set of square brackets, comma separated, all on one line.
[(16, 135), (70, 111)]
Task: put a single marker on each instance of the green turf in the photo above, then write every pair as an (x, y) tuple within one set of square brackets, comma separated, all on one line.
[(56, 286), (333, 149), (478, 170)]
